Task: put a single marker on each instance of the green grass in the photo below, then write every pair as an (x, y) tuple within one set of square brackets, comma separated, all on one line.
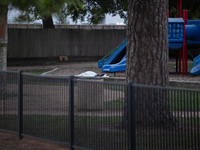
[(167, 140), (115, 104), (189, 121), (189, 65), (178, 100), (7, 95), (115, 87), (182, 100), (92, 132), (57, 122), (91, 120), (36, 71), (32, 80)]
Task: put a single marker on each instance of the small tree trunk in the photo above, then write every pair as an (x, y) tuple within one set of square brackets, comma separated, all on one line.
[(48, 22), (3, 47), (148, 57), (3, 40), (3, 53)]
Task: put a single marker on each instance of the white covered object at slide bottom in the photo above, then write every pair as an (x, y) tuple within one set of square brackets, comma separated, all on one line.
[(90, 74), (87, 74)]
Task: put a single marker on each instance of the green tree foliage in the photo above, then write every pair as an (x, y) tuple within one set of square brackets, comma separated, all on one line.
[(94, 10), (40, 9), (193, 7)]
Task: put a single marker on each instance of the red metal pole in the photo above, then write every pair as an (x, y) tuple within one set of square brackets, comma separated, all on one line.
[(180, 15), (177, 52), (184, 46), (177, 8), (168, 13), (186, 19), (177, 61), (183, 72), (180, 61)]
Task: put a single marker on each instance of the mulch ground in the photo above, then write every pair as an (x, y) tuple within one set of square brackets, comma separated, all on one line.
[(9, 141)]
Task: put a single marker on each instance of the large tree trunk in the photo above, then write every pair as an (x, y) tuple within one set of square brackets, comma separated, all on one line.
[(147, 58), (147, 47), (48, 22)]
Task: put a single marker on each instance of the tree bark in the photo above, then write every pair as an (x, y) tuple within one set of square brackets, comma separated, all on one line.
[(147, 58), (147, 46), (3, 39), (48, 22), (3, 47)]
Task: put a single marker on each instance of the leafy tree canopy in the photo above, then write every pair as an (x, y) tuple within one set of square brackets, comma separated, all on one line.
[(193, 7), (39, 9), (94, 10)]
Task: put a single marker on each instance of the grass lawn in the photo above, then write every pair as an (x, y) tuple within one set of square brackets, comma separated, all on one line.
[(173, 65), (90, 131), (101, 132), (36, 71), (184, 100)]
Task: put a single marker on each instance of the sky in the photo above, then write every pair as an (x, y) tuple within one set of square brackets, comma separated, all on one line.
[(109, 20)]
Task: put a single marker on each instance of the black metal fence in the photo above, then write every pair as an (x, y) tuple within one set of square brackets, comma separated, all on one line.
[(91, 114), (166, 118)]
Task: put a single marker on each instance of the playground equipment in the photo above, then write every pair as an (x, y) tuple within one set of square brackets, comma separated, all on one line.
[(121, 66), (196, 66), (115, 55), (182, 33)]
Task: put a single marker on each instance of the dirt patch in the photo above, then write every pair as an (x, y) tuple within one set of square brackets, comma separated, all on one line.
[(179, 77), (75, 68), (9, 141), (66, 68)]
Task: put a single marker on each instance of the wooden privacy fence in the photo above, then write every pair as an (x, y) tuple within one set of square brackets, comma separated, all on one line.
[(31, 41), (39, 43)]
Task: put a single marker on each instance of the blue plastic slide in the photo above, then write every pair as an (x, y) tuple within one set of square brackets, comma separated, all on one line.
[(121, 66), (116, 56), (196, 66)]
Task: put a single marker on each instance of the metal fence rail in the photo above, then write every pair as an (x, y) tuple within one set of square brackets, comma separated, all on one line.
[(98, 115), (91, 114), (166, 118), (46, 107), (9, 101)]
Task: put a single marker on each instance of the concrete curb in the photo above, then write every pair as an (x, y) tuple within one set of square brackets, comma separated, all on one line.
[(46, 73), (184, 84), (172, 83)]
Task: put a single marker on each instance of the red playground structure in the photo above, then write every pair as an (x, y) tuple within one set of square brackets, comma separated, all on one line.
[(182, 51)]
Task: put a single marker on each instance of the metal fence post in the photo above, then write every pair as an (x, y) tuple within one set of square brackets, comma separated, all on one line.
[(131, 117), (71, 113), (20, 104)]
